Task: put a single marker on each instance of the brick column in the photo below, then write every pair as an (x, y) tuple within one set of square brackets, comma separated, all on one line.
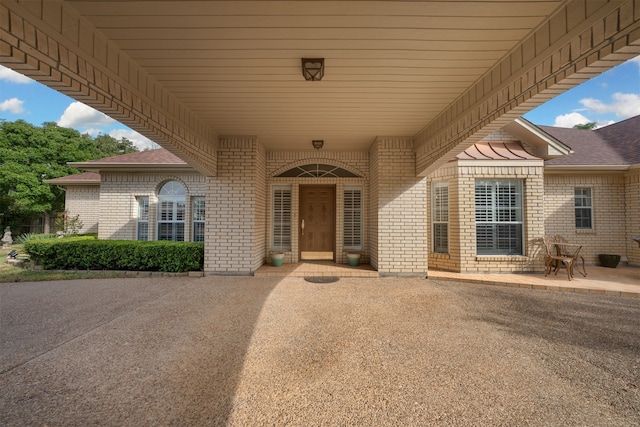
[(234, 230), (401, 226)]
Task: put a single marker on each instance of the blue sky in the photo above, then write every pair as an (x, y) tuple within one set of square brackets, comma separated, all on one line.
[(608, 98)]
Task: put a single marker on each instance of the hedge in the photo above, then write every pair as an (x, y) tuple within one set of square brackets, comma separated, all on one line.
[(87, 253)]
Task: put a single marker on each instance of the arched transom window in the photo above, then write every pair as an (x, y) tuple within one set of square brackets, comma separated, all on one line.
[(171, 211), (317, 170)]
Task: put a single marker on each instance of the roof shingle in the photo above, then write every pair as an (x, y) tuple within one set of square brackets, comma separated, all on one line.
[(614, 145)]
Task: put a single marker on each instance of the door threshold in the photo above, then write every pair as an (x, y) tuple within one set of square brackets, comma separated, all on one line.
[(316, 269)]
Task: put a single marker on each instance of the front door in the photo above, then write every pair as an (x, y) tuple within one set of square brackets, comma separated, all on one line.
[(317, 227)]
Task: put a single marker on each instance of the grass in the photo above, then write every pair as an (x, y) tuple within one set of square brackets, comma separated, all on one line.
[(10, 273)]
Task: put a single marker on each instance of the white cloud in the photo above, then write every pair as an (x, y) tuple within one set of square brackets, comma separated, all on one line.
[(11, 76), (142, 142), (623, 105), (570, 120), (90, 121), (79, 115), (13, 105)]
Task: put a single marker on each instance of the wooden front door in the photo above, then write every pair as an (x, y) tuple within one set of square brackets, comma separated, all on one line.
[(317, 225)]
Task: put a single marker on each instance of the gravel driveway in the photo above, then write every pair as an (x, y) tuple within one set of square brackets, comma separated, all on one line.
[(244, 351)]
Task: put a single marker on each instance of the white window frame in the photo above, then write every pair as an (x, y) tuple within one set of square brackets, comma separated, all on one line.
[(440, 217), (198, 215), (142, 217), (171, 212), (499, 212), (583, 203), (352, 218), (281, 216)]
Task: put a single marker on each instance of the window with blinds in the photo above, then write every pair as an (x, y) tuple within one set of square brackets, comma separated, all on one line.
[(171, 212), (440, 217), (583, 208), (352, 230), (198, 216), (142, 229), (281, 218), (499, 223)]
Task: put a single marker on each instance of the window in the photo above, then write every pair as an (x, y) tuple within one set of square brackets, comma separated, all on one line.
[(499, 225), (142, 229), (352, 229), (440, 217), (197, 213), (584, 209), (281, 218), (317, 170), (171, 211)]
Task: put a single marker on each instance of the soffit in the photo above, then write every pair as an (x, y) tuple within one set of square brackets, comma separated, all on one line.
[(390, 67)]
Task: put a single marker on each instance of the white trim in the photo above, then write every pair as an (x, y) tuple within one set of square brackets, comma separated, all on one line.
[(555, 147), (500, 163)]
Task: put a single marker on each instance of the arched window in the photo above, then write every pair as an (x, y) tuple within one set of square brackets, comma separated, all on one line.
[(317, 170), (171, 211)]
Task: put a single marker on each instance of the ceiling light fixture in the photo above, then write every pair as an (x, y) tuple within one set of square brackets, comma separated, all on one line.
[(313, 69), (317, 143)]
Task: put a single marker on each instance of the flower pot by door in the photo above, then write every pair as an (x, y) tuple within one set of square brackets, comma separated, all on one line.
[(277, 260), (353, 259)]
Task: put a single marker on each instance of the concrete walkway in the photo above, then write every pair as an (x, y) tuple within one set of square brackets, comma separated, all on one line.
[(620, 281), (250, 351)]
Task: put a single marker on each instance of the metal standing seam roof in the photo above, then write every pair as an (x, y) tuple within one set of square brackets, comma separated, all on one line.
[(496, 150)]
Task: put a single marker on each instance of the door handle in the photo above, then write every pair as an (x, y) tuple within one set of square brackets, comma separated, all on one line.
[(302, 227)]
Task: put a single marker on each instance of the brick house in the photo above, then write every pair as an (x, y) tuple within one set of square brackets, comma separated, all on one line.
[(240, 90), (518, 184)]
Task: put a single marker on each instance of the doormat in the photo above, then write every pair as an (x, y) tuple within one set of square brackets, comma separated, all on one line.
[(322, 279)]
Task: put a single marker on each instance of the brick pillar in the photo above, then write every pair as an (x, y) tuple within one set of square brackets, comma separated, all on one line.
[(234, 240), (401, 210)]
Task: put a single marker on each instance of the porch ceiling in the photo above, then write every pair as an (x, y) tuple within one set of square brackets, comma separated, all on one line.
[(390, 67)]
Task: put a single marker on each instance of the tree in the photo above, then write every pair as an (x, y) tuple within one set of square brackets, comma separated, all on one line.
[(109, 146), (31, 154), (586, 126)]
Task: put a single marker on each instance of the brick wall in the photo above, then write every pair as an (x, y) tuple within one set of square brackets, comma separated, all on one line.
[(234, 232), (608, 192), (118, 204), (533, 187), (462, 255), (373, 206), (260, 229), (401, 206), (84, 200), (632, 185)]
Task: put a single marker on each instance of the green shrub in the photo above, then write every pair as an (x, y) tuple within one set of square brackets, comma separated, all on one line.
[(86, 253), (23, 238)]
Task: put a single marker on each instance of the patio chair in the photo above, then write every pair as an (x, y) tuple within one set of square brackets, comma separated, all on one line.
[(565, 248), (553, 259)]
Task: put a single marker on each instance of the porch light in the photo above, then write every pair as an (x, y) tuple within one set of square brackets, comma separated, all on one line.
[(313, 69), (317, 143)]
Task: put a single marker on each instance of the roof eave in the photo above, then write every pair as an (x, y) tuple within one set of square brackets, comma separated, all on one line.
[(538, 137), (70, 182), (127, 167), (557, 169), (499, 163)]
